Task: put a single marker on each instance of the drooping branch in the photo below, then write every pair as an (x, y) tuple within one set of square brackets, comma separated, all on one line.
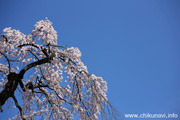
[(7, 60), (19, 107), (53, 103), (42, 85)]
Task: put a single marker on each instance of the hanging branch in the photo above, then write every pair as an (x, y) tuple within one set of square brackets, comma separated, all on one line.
[(19, 107), (7, 60)]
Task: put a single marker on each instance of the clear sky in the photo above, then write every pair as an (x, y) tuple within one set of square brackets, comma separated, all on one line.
[(133, 44)]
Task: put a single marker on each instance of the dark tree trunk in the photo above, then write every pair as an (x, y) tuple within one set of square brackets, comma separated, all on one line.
[(14, 79), (9, 89)]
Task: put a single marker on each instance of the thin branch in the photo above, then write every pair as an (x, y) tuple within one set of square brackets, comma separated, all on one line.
[(57, 46), (20, 90), (52, 103), (19, 107), (59, 96), (44, 50), (7, 60), (3, 36), (39, 86), (1, 108), (33, 54)]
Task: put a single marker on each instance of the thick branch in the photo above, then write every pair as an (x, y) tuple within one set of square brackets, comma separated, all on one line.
[(36, 46), (29, 66), (14, 79), (9, 89)]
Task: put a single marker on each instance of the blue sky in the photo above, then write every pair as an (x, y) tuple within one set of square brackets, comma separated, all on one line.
[(132, 44)]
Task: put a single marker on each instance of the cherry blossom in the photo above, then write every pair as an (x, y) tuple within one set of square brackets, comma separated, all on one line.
[(59, 85)]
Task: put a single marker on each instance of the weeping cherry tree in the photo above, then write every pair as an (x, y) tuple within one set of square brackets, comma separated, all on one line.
[(59, 85)]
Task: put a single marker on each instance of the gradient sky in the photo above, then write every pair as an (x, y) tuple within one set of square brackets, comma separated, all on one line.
[(132, 44)]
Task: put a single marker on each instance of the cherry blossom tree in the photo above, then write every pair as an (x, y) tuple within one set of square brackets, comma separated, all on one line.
[(59, 85)]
